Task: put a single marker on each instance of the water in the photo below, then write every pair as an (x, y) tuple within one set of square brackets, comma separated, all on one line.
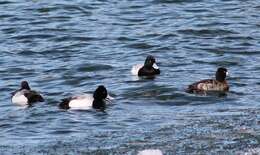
[(67, 47)]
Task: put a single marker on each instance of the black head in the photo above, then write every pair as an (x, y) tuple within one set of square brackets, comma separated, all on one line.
[(149, 61), (25, 85), (100, 93), (221, 74)]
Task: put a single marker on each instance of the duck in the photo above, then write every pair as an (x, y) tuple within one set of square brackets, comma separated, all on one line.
[(25, 96), (149, 68), (98, 100), (217, 84)]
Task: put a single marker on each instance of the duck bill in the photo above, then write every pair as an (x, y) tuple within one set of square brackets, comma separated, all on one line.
[(109, 98), (155, 66)]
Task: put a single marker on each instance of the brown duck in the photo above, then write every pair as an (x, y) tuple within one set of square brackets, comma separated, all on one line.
[(218, 84)]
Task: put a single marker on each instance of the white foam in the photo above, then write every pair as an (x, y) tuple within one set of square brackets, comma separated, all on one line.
[(150, 152), (251, 151)]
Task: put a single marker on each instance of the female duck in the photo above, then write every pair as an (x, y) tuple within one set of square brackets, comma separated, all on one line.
[(148, 69), (26, 96), (218, 84), (86, 101)]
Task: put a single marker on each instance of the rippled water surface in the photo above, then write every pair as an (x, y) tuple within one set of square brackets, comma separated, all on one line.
[(67, 47)]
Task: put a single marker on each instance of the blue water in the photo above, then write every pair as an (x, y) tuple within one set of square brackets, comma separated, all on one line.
[(67, 47)]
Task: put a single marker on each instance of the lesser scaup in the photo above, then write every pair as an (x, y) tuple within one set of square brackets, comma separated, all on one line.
[(26, 96), (149, 68), (217, 84), (87, 101)]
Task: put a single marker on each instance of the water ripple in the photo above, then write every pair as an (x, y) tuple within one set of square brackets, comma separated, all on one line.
[(65, 48)]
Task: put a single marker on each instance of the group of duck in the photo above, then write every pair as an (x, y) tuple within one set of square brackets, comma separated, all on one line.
[(98, 100)]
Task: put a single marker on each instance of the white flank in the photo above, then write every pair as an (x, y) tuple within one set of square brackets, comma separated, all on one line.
[(136, 68), (20, 99), (83, 102), (150, 152)]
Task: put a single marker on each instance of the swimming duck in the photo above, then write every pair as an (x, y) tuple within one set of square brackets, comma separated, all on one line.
[(149, 68), (87, 101), (26, 96), (218, 84)]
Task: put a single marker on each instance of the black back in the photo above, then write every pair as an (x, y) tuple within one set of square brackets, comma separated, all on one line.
[(31, 95), (65, 103)]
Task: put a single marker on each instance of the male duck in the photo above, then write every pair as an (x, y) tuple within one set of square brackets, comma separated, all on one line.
[(86, 101), (26, 96), (148, 69)]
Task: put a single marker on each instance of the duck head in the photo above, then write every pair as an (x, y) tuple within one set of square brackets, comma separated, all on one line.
[(221, 74)]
